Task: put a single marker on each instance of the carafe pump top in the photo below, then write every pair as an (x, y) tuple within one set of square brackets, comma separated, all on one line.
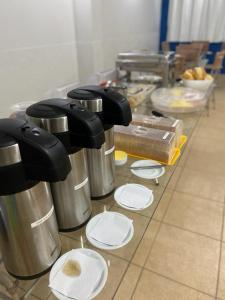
[(115, 108), (40, 156), (84, 128)]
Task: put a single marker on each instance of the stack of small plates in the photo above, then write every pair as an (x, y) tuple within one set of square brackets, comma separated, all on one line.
[(109, 230), (134, 196)]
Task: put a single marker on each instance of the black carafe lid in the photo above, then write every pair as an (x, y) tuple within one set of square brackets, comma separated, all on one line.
[(40, 156), (115, 107), (85, 129)]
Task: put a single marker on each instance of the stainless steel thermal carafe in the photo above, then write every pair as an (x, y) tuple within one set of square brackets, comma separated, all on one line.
[(29, 239), (77, 128), (101, 162), (72, 196), (101, 166), (112, 108)]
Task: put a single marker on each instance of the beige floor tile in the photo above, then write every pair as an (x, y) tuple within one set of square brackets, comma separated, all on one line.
[(140, 223), (202, 184), (163, 205), (207, 157), (69, 244), (195, 214), (52, 297), (41, 289), (128, 283), (186, 257), (205, 162), (108, 201), (214, 120), (31, 297), (184, 156), (221, 288), (224, 230), (155, 287), (12, 282), (146, 243), (117, 268), (174, 179), (123, 172), (211, 133), (7, 294), (203, 145)]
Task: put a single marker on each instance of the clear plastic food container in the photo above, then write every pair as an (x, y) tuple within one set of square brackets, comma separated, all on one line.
[(137, 93), (173, 125), (146, 142), (178, 100)]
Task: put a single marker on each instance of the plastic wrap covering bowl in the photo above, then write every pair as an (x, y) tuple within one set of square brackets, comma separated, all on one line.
[(146, 142), (178, 100), (173, 125), (201, 85)]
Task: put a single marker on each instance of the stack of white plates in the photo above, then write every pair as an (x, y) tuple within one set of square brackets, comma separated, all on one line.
[(134, 196), (109, 230), (88, 284)]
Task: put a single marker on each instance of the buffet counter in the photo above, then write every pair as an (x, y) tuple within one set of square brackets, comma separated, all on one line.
[(117, 260)]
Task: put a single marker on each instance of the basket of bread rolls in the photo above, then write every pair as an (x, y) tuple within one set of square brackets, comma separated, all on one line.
[(197, 78)]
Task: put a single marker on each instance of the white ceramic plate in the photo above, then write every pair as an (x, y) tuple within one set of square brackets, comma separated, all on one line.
[(100, 285), (103, 246), (119, 196), (147, 173)]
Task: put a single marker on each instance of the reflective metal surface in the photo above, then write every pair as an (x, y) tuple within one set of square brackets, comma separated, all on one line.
[(72, 196), (147, 61), (29, 237), (101, 166), (52, 125), (147, 55), (9, 155), (92, 105)]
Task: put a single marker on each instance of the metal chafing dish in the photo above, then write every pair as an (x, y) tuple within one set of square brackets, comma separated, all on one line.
[(147, 61)]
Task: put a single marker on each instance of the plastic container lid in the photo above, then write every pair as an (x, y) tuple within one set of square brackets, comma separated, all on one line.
[(178, 99)]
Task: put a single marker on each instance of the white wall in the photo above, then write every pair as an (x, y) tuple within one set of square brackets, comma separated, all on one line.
[(107, 27), (47, 44), (129, 24), (37, 49)]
